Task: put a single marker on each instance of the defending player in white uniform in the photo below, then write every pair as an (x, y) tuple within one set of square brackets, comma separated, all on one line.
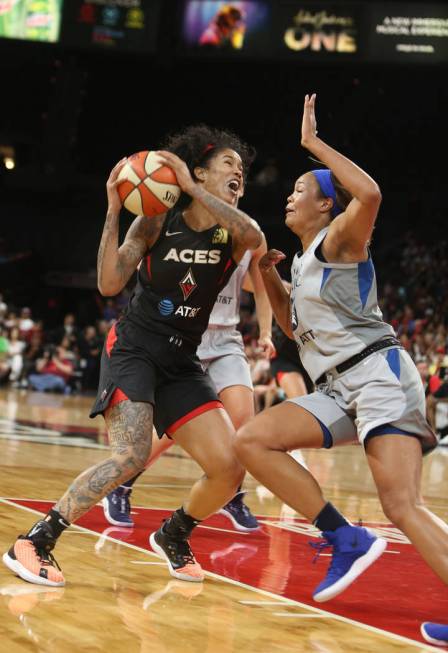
[(368, 388)]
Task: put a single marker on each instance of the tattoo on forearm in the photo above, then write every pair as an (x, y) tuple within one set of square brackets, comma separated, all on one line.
[(235, 221), (130, 435)]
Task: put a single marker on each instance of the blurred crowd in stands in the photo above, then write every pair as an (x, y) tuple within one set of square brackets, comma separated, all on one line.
[(66, 359)]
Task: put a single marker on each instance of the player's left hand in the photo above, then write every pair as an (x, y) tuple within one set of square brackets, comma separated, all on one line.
[(267, 347), (180, 168), (270, 259), (309, 124)]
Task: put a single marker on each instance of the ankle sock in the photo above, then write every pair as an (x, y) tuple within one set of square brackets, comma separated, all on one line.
[(56, 522), (131, 481), (329, 519), (180, 524)]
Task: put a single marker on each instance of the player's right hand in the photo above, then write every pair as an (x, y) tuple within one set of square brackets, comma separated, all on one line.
[(271, 258), (113, 198)]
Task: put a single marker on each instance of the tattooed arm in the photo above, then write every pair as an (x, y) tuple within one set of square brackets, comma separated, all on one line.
[(115, 264), (244, 231)]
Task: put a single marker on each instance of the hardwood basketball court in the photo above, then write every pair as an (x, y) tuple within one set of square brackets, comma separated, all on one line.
[(257, 594)]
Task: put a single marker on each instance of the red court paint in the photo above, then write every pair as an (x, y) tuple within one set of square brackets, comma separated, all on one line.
[(396, 594)]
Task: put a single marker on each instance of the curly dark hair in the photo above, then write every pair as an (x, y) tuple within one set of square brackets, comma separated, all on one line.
[(197, 145)]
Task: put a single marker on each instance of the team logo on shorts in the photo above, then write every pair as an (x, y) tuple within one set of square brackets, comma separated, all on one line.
[(220, 236), (188, 284), (165, 306)]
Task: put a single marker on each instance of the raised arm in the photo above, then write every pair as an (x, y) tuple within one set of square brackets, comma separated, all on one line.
[(262, 304), (351, 231), (244, 230), (116, 264), (277, 293)]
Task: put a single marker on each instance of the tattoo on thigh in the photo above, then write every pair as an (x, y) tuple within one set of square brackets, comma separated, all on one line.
[(130, 429)]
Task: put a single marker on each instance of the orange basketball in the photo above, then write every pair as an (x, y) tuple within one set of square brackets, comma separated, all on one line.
[(148, 187)]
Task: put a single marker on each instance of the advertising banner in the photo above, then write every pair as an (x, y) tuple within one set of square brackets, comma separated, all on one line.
[(212, 27), (126, 25), (30, 20), (319, 31), (408, 32)]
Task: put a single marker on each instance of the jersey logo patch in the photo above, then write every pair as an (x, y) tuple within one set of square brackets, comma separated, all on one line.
[(220, 236), (165, 306), (187, 284)]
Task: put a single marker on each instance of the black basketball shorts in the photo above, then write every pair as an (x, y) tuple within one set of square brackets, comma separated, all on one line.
[(158, 369)]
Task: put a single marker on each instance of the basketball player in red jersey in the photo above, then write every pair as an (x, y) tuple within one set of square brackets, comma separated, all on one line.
[(149, 370)]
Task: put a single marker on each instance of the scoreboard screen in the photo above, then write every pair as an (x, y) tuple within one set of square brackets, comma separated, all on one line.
[(123, 25)]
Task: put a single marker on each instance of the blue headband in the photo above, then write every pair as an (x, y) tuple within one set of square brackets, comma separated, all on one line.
[(323, 178)]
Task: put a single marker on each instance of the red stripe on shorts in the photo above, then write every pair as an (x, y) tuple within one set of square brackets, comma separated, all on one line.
[(111, 339), (210, 405), (117, 396)]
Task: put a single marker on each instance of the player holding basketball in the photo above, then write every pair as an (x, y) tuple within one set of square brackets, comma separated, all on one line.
[(221, 352), (149, 370), (368, 387)]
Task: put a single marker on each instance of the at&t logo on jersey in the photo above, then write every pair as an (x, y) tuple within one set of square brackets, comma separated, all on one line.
[(205, 256), (165, 306), (187, 311)]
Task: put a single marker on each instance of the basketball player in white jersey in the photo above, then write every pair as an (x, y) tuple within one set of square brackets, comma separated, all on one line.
[(368, 388), (221, 353)]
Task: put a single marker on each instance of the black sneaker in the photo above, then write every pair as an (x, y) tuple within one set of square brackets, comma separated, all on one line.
[(179, 556)]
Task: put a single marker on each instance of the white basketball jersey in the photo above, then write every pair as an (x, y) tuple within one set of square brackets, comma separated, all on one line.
[(334, 309), (226, 311)]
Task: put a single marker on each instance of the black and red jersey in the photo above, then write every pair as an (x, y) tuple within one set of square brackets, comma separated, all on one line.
[(180, 278)]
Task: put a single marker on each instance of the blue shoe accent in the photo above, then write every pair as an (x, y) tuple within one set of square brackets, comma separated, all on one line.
[(435, 633), (354, 549), (117, 508), (239, 514)]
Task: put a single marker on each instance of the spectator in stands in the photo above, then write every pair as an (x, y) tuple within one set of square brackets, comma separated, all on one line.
[(11, 319), (16, 347), (26, 324), (439, 395), (110, 311), (4, 346), (3, 308), (90, 348), (53, 370), (32, 353), (68, 329)]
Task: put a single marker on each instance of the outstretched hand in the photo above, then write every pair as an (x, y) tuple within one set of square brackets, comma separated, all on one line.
[(267, 347), (113, 198), (271, 258), (309, 124), (180, 168)]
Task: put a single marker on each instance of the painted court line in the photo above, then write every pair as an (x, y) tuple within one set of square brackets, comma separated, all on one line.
[(297, 615), (223, 579), (263, 603), (146, 562)]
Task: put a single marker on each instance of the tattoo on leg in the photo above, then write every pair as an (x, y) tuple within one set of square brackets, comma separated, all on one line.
[(130, 435)]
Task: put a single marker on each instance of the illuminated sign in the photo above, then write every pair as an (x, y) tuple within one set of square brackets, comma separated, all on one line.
[(30, 20), (215, 27), (111, 24), (322, 30), (408, 32)]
